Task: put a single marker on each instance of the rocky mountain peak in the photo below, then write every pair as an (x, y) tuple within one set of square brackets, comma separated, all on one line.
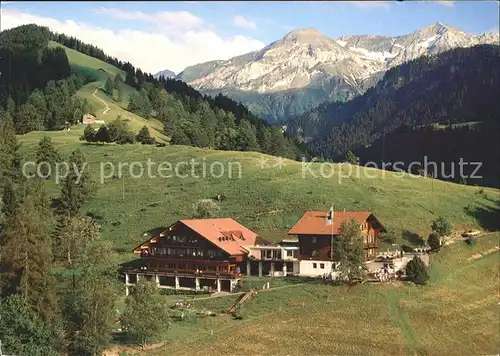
[(309, 66), (309, 36)]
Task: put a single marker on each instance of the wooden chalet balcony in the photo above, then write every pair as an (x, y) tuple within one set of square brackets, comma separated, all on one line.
[(180, 272), (208, 268)]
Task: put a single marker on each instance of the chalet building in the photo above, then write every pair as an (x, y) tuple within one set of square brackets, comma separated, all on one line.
[(315, 238), (193, 254), (214, 254), (89, 119)]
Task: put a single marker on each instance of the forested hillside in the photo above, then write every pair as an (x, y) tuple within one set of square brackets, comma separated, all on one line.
[(38, 88), (460, 85)]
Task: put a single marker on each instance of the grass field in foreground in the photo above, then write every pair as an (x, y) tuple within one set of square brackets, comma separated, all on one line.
[(457, 313)]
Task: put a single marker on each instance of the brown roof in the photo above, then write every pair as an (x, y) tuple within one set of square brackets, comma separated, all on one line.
[(225, 233), (314, 222)]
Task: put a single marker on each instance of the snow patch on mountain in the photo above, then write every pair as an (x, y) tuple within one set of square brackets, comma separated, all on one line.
[(305, 58)]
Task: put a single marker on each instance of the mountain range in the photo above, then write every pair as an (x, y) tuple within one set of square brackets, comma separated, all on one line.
[(306, 68), (165, 73)]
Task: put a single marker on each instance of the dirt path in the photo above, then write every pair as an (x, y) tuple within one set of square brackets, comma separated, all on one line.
[(107, 108)]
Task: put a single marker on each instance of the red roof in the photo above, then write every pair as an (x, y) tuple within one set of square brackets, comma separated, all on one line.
[(225, 233), (314, 222)]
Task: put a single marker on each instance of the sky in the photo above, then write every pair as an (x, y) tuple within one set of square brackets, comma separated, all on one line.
[(173, 35)]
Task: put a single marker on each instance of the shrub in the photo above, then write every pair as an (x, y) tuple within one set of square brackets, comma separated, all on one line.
[(88, 134), (205, 208), (416, 271), (441, 226), (240, 313), (126, 137), (434, 241)]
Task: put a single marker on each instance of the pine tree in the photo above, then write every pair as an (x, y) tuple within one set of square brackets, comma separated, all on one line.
[(180, 138), (109, 86), (89, 304), (351, 158), (246, 139), (118, 84), (144, 136), (11, 106), (8, 147), (102, 134), (76, 189), (28, 119), (118, 81), (264, 138), (46, 152), (10, 199), (27, 257), (23, 332)]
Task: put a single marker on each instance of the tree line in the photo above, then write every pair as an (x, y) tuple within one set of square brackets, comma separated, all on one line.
[(191, 120), (117, 131)]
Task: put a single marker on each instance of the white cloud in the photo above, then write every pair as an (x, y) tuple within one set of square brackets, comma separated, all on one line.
[(168, 19), (447, 3), (368, 5), (240, 21), (151, 51)]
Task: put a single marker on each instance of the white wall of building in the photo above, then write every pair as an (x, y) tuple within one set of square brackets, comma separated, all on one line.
[(309, 268)]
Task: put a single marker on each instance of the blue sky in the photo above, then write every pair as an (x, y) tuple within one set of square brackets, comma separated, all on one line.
[(237, 27)]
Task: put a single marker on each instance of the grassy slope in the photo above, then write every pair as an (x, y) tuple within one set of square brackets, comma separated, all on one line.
[(456, 313), (136, 122), (269, 200)]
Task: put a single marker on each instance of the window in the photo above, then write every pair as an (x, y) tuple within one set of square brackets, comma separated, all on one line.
[(322, 265), (315, 265), (314, 239)]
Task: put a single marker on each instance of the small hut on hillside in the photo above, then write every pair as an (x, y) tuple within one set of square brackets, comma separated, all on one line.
[(89, 119)]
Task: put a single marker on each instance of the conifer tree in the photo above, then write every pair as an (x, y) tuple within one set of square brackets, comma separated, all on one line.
[(46, 152), (109, 86), (27, 257), (77, 188), (144, 136)]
